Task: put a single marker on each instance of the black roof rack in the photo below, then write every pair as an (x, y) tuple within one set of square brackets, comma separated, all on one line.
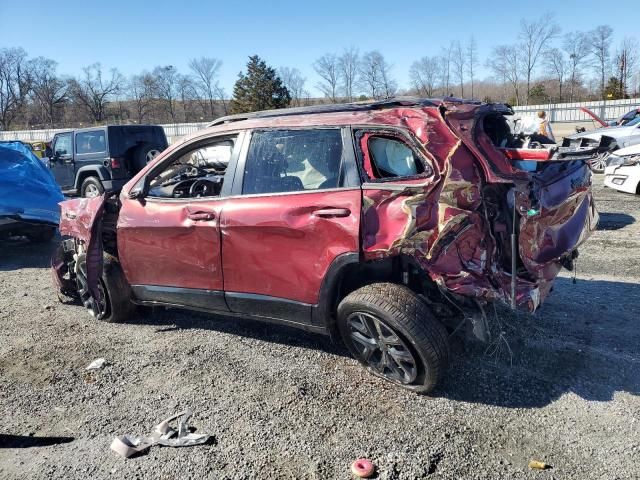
[(339, 107)]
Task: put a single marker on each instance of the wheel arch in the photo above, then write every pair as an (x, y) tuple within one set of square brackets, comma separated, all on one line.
[(97, 171)]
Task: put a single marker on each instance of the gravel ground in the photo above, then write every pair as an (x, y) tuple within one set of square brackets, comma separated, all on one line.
[(284, 404)]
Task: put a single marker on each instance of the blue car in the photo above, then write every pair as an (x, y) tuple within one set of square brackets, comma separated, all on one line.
[(29, 195)]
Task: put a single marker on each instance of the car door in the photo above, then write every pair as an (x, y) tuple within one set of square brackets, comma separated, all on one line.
[(169, 239), (295, 208), (61, 163)]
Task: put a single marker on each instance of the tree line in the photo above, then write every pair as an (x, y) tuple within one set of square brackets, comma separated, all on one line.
[(541, 66)]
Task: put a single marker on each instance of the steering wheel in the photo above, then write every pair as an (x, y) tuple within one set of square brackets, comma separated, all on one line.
[(201, 187)]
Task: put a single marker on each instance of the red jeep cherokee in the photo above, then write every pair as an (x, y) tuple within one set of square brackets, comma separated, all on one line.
[(387, 225)]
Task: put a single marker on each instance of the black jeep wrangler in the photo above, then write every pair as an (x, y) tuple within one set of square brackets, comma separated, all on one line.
[(93, 160)]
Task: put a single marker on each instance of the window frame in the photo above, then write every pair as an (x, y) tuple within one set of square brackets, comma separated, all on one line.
[(395, 133), (55, 144), (348, 174), (192, 145)]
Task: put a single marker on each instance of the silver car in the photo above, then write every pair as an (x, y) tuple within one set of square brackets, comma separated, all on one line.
[(624, 136)]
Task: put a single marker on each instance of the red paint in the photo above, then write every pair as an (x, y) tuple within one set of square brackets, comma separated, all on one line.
[(275, 245), (527, 153), (158, 244)]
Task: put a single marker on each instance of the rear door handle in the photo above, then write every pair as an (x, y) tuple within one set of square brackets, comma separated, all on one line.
[(201, 216), (332, 212)]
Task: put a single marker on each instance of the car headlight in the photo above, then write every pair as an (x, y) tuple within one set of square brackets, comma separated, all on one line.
[(615, 160)]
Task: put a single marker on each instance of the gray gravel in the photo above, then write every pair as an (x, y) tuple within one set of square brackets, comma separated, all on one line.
[(284, 404)]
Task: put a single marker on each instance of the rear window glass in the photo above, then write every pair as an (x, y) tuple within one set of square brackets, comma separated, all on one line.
[(90, 142), (293, 160), (388, 157)]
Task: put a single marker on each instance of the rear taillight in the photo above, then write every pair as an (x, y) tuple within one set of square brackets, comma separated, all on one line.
[(115, 163)]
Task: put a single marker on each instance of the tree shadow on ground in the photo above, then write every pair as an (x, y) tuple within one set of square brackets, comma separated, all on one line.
[(614, 221), (585, 340)]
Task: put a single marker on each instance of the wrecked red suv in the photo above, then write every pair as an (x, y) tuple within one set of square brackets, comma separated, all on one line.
[(387, 225)]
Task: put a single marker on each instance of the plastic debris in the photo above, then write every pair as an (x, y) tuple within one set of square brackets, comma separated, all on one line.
[(538, 465), (97, 364), (162, 434), (362, 468)]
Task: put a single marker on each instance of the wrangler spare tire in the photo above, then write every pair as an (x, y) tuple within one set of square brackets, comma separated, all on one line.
[(143, 154)]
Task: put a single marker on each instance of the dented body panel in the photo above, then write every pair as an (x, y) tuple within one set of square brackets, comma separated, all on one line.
[(454, 220)]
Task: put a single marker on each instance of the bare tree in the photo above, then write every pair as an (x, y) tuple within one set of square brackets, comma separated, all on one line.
[(557, 65), (445, 69), (374, 74), (327, 69), (188, 95), (459, 64), (534, 36), (348, 71), (576, 46), (424, 74), (140, 91), (472, 61), (49, 90), (15, 84), (93, 91), (294, 81), (166, 88), (600, 45), (505, 65), (205, 72), (626, 63)]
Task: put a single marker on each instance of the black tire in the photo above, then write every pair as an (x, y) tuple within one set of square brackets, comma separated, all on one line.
[(143, 154), (91, 187), (418, 333), (116, 306), (42, 235)]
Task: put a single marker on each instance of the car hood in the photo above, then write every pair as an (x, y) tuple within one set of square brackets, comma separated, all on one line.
[(615, 132), (632, 150)]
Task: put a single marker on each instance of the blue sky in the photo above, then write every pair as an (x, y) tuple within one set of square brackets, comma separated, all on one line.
[(134, 35)]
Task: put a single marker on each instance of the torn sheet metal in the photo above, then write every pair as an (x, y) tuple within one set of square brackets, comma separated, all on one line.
[(162, 434)]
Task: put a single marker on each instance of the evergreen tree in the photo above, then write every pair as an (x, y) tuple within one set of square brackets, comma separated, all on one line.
[(259, 89)]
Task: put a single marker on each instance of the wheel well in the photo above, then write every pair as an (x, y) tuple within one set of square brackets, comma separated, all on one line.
[(82, 176), (400, 269)]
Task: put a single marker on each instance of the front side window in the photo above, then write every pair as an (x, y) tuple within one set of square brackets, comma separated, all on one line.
[(90, 142), (194, 172), (293, 160), (388, 156), (63, 145)]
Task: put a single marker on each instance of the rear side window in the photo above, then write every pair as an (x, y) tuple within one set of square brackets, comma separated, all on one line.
[(389, 156), (91, 142), (293, 160)]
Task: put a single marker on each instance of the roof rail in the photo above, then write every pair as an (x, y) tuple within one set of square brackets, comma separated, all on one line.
[(338, 107)]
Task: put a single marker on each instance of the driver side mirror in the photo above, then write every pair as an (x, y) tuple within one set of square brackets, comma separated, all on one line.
[(141, 189)]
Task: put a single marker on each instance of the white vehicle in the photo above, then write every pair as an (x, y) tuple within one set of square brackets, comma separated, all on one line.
[(623, 170)]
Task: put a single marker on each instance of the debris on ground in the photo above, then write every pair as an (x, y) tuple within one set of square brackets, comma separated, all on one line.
[(362, 468), (538, 465), (162, 434), (97, 364)]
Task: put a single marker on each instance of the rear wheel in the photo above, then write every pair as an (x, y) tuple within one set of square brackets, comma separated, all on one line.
[(390, 330), (115, 302), (91, 187)]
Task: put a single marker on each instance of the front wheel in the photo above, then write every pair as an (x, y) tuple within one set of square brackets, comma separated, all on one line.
[(390, 330), (599, 163)]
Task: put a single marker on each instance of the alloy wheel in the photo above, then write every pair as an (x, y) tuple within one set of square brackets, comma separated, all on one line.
[(96, 308), (599, 163), (91, 191), (381, 348), (151, 154)]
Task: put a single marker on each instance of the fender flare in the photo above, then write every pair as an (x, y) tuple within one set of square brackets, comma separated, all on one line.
[(95, 171)]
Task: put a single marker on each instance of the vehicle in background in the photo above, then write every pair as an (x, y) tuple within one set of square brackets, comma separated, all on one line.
[(389, 225), (620, 137), (623, 120), (623, 170), (93, 160), (29, 195), (39, 148)]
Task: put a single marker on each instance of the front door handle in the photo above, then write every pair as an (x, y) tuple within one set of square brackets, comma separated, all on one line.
[(201, 216), (332, 212)]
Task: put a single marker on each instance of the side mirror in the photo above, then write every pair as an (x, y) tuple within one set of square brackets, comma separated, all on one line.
[(141, 189)]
